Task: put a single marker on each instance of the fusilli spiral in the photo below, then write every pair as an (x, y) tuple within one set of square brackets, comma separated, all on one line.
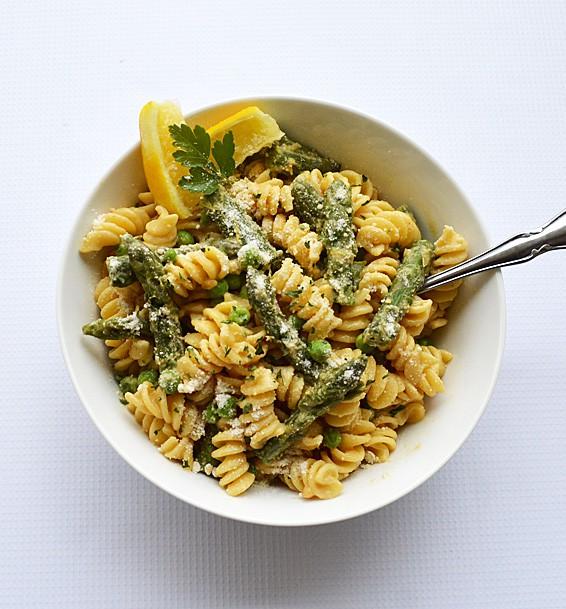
[(109, 227), (231, 347), (306, 299), (198, 268), (382, 442), (162, 231), (297, 238), (129, 354), (233, 470), (378, 276), (312, 438), (385, 388), (355, 319), (271, 195), (259, 420), (314, 478), (290, 385), (380, 226), (397, 416), (417, 315), (450, 249), (349, 454), (113, 301)]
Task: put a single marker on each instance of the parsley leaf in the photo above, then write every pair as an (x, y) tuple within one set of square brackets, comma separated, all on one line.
[(193, 152), (193, 146), (200, 180), (223, 153)]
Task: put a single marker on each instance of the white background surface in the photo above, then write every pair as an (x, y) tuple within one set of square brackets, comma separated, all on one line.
[(482, 87)]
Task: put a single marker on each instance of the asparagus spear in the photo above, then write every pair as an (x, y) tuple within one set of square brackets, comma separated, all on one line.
[(333, 386), (149, 271), (262, 298), (120, 271), (411, 274), (308, 204), (331, 217), (234, 222), (337, 235), (163, 314), (118, 327), (287, 156)]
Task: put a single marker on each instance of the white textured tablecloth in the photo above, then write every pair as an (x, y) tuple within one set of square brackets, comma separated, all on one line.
[(482, 86)]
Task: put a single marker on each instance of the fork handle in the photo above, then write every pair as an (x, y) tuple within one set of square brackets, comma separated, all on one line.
[(517, 249)]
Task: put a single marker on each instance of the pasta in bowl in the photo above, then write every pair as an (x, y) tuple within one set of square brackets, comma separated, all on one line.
[(257, 300)]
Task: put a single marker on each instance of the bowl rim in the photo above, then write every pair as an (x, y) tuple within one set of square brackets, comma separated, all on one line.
[(355, 510)]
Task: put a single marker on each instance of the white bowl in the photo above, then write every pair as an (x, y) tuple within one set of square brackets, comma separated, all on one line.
[(475, 334)]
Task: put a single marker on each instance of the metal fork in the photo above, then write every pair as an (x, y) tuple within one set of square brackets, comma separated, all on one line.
[(515, 250)]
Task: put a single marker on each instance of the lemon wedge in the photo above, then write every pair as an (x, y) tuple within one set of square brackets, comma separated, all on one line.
[(252, 129), (161, 171)]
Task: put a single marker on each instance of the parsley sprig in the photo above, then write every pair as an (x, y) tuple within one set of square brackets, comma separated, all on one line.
[(193, 152)]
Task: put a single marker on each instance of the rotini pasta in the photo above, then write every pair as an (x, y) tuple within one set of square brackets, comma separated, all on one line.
[(258, 418), (306, 300), (270, 194), (233, 346), (450, 249), (417, 316), (128, 355), (380, 227), (297, 238), (350, 453), (290, 386), (202, 268), (385, 388), (355, 319), (397, 416), (378, 275), (314, 478), (109, 227), (162, 231), (233, 470)]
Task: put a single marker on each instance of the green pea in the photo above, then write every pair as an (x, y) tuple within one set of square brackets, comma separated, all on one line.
[(296, 322), (170, 255), (129, 384), (219, 289), (331, 437), (234, 282), (239, 316), (169, 381), (360, 344), (319, 350), (244, 292), (185, 238), (423, 342), (148, 376)]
